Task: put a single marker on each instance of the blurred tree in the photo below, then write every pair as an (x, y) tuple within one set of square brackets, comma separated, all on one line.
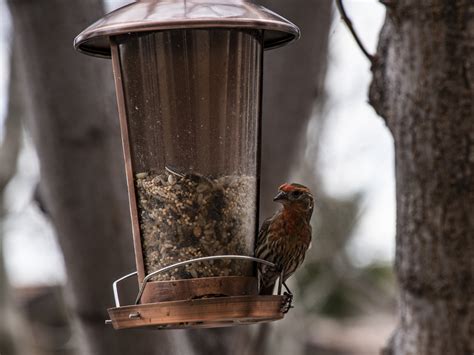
[(72, 118), (34, 318), (293, 86), (9, 151), (423, 86), (43, 324), (331, 285)]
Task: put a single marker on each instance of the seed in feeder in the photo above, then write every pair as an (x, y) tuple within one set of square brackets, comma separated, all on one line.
[(197, 231), (141, 175), (171, 179), (162, 179), (189, 216), (202, 187)]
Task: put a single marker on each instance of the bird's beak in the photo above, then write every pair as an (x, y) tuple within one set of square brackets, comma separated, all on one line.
[(282, 195)]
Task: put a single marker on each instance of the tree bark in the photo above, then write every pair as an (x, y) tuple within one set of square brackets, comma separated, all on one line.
[(423, 86)]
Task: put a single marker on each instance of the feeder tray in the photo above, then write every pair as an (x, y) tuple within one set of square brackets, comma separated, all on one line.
[(199, 313), (205, 312)]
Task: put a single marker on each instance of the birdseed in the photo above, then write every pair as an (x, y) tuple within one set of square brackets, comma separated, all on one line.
[(189, 216)]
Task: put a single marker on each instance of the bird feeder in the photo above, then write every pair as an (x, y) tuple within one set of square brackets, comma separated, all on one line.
[(188, 79)]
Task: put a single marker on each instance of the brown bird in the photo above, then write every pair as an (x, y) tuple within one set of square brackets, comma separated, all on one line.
[(284, 238)]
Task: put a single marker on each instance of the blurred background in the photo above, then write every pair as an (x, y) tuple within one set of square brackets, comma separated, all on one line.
[(344, 292)]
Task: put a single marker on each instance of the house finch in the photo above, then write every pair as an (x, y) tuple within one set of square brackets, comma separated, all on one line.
[(284, 238)]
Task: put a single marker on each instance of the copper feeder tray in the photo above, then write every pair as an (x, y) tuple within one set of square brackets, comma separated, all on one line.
[(199, 313), (205, 312)]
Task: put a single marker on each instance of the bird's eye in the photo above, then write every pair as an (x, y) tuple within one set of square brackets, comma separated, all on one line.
[(296, 194)]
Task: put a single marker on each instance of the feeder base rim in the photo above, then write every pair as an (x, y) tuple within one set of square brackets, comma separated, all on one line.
[(209, 312)]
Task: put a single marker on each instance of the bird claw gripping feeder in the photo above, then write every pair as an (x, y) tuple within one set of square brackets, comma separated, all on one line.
[(188, 78)]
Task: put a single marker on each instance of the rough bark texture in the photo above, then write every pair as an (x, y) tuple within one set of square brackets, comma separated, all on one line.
[(424, 88)]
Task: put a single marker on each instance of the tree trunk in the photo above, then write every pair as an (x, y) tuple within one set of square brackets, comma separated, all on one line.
[(423, 87)]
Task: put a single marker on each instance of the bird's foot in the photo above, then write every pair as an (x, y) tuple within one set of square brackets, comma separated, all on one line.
[(287, 302)]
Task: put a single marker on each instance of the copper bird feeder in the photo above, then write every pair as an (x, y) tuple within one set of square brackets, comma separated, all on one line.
[(188, 77)]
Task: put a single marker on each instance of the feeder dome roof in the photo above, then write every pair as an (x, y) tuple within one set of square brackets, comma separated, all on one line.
[(158, 15)]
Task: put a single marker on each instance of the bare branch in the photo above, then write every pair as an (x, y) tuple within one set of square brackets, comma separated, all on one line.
[(348, 22)]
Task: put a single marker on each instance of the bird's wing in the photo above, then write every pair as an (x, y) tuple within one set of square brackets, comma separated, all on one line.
[(262, 233), (261, 251)]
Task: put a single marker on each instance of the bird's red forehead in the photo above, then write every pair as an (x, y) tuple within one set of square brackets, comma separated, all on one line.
[(287, 188), (293, 187)]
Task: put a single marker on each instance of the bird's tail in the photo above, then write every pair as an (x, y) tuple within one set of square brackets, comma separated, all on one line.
[(267, 290)]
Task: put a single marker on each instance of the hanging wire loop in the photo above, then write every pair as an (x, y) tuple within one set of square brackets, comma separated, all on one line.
[(186, 262), (196, 260)]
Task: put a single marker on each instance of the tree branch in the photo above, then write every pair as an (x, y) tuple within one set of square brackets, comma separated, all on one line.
[(348, 22)]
